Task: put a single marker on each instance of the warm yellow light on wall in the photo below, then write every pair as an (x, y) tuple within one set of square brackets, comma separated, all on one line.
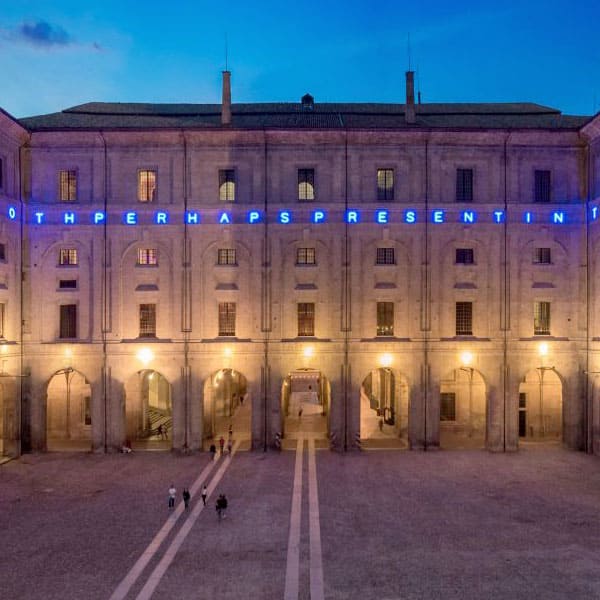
[(4, 348), (308, 351), (385, 360), (466, 358), (145, 355), (228, 352), (543, 349)]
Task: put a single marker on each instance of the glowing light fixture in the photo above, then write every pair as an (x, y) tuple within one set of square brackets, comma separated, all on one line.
[(228, 352), (4, 348), (308, 351), (543, 349), (385, 360), (145, 355), (466, 358)]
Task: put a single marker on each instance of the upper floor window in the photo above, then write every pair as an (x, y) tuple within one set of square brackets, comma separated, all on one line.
[(68, 321), (465, 256), (227, 318), (2, 320), (306, 319), (67, 256), (67, 284), (385, 318), (542, 186), (385, 184), (464, 185), (464, 318), (147, 256), (542, 256), (305, 256), (2, 251), (541, 318), (67, 186), (385, 256), (227, 185), (147, 320), (226, 256), (306, 184), (146, 185)]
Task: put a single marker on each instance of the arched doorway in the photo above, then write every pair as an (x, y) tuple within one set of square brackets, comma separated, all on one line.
[(463, 409), (541, 406), (148, 411), (305, 404), (68, 411), (227, 404), (384, 409)]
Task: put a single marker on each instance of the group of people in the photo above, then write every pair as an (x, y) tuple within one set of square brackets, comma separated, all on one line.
[(221, 504), (213, 448)]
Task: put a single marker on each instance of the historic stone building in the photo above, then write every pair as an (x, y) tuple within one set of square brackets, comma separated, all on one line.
[(411, 275)]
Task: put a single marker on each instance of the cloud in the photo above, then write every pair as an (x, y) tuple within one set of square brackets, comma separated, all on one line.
[(42, 34)]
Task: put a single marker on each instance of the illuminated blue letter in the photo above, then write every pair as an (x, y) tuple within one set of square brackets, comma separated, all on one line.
[(498, 216), (284, 216), (130, 218), (318, 216), (98, 217), (39, 217), (224, 218), (558, 216), (12, 213), (468, 216), (161, 218), (351, 216), (69, 218), (253, 216), (382, 216), (410, 216), (437, 216), (527, 217), (192, 217), (594, 212)]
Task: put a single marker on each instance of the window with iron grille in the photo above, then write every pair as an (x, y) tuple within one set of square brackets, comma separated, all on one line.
[(385, 318), (146, 185), (67, 186), (541, 318), (147, 320), (542, 186), (68, 321), (67, 256), (147, 256), (306, 184), (464, 185), (67, 284), (385, 256), (227, 185), (226, 318), (385, 184), (465, 256), (226, 256), (542, 256), (464, 318), (2, 251), (306, 319), (447, 406), (305, 256)]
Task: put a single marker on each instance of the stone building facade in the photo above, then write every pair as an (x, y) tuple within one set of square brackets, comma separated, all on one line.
[(407, 275)]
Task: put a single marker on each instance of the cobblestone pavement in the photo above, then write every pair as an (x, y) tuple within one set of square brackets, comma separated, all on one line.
[(393, 524)]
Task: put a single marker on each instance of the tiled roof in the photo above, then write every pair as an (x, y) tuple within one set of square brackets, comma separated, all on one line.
[(282, 115)]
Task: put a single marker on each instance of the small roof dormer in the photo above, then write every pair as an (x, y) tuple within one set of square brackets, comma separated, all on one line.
[(308, 102)]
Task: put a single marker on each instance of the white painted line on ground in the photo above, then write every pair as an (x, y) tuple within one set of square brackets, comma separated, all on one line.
[(292, 570), (165, 562), (317, 591)]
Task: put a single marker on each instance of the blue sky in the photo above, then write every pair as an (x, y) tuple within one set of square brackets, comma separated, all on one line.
[(66, 52)]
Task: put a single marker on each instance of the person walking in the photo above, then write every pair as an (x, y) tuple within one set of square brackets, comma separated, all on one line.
[(186, 498), (230, 430), (213, 451), (204, 494), (222, 444), (229, 446), (172, 494), (221, 506)]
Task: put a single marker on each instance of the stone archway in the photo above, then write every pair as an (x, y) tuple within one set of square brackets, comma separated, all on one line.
[(463, 409), (384, 409), (305, 404), (227, 404), (68, 411), (148, 411), (541, 406)]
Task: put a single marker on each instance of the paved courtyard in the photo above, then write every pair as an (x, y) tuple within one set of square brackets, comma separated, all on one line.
[(376, 525)]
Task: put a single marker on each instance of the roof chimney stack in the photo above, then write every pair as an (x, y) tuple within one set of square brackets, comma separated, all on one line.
[(226, 102), (409, 113)]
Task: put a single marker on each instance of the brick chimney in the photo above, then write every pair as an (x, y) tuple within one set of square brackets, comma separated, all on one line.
[(409, 114), (226, 102)]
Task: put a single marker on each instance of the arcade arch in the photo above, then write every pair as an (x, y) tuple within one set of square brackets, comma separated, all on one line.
[(148, 411), (384, 408), (463, 407), (68, 411)]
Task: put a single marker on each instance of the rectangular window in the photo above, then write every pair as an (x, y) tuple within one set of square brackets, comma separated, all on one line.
[(146, 185), (87, 410), (2, 251), (385, 318), (464, 318), (306, 184), (227, 256), (447, 406), (542, 256), (67, 256), (541, 318), (2, 320), (385, 256), (542, 186), (67, 186), (464, 185), (68, 321), (465, 256), (305, 256), (67, 284), (306, 319), (226, 318), (385, 184), (147, 320), (147, 256), (227, 185)]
